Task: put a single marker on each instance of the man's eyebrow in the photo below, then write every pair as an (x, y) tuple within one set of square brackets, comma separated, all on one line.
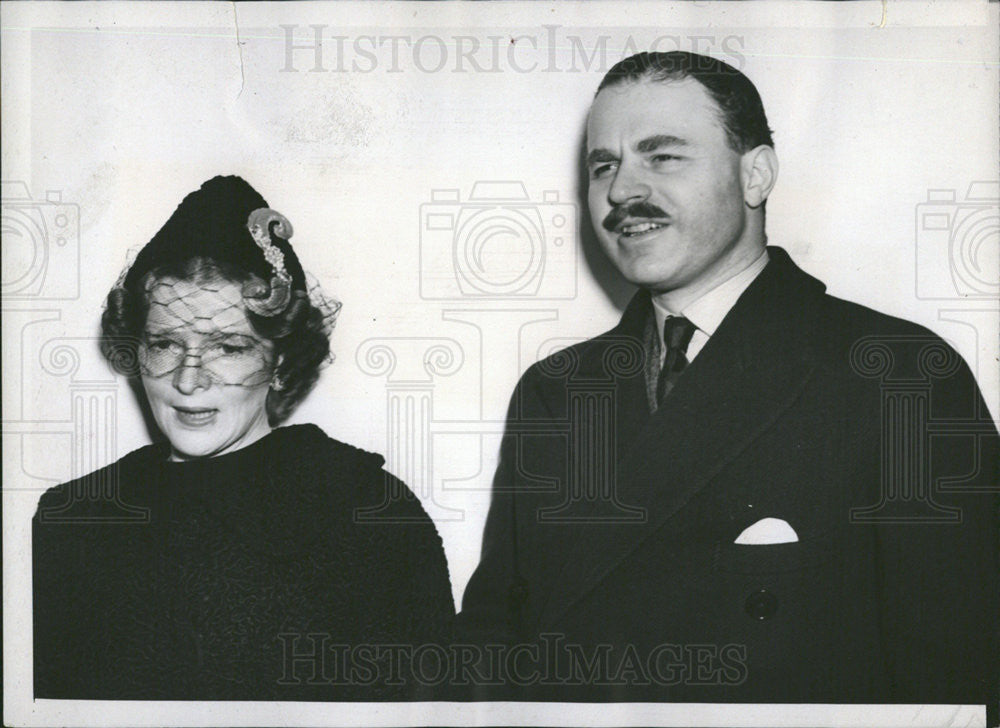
[(595, 156), (658, 141)]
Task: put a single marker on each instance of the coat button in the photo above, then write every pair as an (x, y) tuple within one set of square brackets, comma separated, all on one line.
[(518, 592), (761, 604)]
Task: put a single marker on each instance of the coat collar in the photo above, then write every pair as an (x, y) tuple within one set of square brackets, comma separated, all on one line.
[(278, 494), (764, 310), (747, 375)]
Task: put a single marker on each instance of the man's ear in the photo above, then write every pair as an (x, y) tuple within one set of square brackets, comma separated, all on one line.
[(759, 172)]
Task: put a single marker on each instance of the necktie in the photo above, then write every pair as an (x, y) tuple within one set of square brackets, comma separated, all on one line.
[(677, 333)]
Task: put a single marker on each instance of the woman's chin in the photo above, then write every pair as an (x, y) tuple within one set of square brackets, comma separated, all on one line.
[(188, 445)]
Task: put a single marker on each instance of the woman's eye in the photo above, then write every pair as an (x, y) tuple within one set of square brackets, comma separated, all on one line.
[(231, 347)]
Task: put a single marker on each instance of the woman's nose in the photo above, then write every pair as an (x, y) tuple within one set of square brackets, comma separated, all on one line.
[(191, 375)]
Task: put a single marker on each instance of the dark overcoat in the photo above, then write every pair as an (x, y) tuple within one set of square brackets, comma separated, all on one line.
[(612, 530)]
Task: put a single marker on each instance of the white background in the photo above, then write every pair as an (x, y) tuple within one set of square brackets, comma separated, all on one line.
[(125, 109)]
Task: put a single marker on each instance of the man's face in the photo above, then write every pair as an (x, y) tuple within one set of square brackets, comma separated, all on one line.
[(666, 194)]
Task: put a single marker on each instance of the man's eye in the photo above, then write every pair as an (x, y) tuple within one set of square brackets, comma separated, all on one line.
[(601, 170), (161, 345), (664, 158)]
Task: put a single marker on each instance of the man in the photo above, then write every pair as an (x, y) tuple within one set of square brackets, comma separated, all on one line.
[(748, 490)]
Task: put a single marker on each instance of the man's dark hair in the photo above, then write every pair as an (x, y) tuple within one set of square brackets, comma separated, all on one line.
[(740, 108)]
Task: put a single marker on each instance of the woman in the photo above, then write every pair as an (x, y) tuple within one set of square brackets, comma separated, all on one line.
[(237, 559)]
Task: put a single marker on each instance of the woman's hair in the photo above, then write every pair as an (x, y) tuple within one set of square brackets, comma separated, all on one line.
[(298, 334)]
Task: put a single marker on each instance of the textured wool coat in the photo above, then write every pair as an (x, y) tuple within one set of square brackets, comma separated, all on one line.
[(241, 576)]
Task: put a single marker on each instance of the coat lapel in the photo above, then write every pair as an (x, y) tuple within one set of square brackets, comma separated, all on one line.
[(631, 406), (747, 375)]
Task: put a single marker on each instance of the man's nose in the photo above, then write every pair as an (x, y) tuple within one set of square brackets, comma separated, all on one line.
[(627, 186), (191, 375)]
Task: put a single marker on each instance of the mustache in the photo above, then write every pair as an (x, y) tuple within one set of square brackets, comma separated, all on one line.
[(619, 214)]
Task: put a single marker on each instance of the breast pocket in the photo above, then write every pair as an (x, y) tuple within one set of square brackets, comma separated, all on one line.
[(809, 554)]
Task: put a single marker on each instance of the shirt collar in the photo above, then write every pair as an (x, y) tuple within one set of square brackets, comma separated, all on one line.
[(707, 311)]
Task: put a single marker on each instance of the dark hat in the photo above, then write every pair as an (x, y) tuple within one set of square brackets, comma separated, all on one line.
[(212, 223)]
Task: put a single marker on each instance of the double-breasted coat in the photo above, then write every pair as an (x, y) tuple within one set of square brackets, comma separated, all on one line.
[(612, 530)]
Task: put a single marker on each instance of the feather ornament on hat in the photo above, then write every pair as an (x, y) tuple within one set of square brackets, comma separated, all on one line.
[(228, 221)]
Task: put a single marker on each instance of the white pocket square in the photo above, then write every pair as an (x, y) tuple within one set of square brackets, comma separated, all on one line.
[(767, 531)]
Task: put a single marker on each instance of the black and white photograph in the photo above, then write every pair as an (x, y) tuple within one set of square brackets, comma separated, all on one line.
[(501, 363)]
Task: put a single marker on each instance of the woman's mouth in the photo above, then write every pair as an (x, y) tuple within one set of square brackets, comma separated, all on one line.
[(195, 416)]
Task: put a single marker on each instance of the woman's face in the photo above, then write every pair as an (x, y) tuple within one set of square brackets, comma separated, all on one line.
[(205, 371)]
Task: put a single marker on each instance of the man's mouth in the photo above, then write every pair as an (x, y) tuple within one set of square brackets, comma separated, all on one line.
[(634, 229), (195, 416)]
